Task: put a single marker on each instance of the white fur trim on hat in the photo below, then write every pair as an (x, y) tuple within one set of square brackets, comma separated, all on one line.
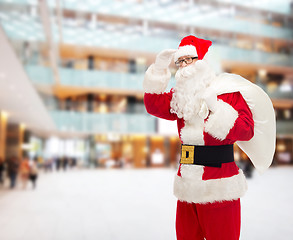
[(184, 51), (221, 121), (191, 188), (156, 81)]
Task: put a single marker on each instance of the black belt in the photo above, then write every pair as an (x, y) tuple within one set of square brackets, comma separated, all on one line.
[(211, 156)]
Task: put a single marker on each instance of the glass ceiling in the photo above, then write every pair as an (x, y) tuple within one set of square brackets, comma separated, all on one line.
[(22, 25), (128, 6), (277, 6)]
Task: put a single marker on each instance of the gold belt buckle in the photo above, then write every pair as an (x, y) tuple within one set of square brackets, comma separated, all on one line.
[(187, 154)]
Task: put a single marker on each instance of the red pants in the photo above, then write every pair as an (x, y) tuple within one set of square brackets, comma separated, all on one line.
[(211, 221)]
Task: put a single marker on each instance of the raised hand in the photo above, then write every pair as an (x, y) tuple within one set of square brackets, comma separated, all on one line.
[(164, 59)]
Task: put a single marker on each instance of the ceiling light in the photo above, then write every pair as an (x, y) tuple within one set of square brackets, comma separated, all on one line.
[(287, 113), (22, 126), (4, 114), (286, 87), (281, 147), (262, 73)]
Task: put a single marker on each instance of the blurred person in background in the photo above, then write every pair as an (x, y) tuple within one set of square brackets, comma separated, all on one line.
[(48, 165), (2, 168), (27, 52), (65, 163), (40, 161), (24, 171), (246, 165), (212, 113), (12, 170), (58, 163), (33, 173), (74, 162)]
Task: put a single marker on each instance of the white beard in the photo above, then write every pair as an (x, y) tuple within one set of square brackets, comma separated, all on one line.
[(191, 81)]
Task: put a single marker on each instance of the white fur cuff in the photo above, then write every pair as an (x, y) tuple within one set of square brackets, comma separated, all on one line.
[(221, 121), (156, 82)]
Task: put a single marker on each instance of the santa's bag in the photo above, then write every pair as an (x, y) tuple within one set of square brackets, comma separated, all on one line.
[(261, 148)]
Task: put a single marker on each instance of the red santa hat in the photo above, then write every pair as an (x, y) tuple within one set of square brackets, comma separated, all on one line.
[(192, 46)]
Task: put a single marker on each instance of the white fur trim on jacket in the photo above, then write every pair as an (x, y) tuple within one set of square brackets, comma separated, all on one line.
[(184, 51), (192, 132), (191, 188), (156, 81), (221, 121)]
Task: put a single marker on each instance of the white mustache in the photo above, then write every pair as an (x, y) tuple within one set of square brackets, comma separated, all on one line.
[(186, 72), (190, 70)]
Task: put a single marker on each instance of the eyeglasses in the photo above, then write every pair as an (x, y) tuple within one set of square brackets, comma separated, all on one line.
[(187, 60)]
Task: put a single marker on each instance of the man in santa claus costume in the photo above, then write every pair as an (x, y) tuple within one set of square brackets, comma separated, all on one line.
[(212, 113)]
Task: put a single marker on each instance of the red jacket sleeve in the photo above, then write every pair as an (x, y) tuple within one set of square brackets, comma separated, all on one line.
[(243, 129), (159, 105)]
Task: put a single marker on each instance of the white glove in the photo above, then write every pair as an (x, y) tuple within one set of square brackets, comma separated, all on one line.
[(210, 98), (164, 59), (204, 111)]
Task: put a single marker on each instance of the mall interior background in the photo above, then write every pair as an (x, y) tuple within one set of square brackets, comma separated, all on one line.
[(71, 74)]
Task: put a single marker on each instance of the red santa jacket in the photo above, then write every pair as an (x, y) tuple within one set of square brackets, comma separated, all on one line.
[(232, 121)]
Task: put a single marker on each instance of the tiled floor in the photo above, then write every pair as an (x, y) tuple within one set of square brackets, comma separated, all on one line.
[(131, 205)]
